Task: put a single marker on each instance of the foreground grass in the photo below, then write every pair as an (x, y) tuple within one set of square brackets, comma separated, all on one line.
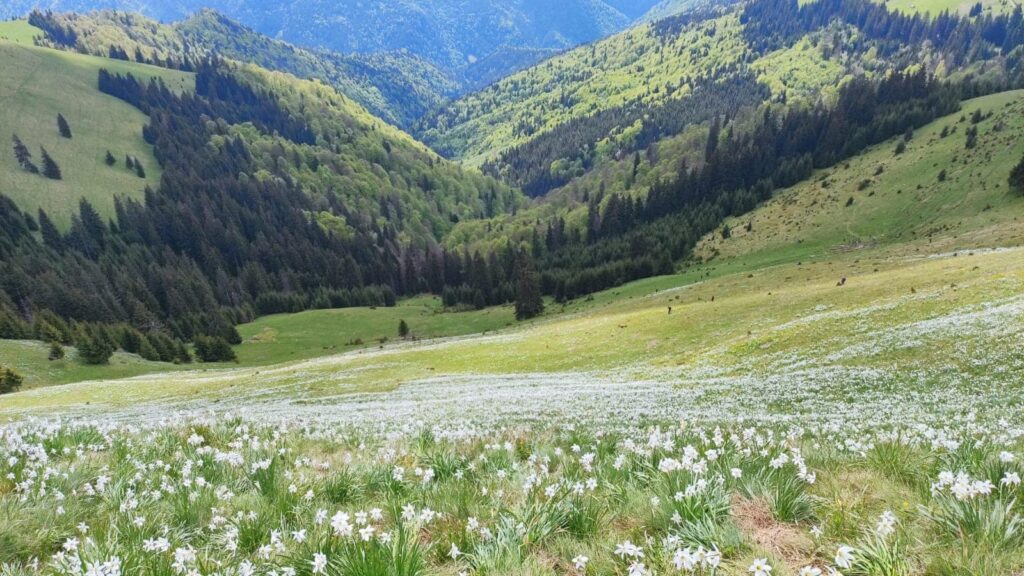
[(585, 495), (40, 83)]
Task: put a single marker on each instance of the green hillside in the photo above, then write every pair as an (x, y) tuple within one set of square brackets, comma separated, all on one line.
[(635, 65), (881, 198), (963, 7), (897, 238), (19, 31), (397, 87), (40, 83)]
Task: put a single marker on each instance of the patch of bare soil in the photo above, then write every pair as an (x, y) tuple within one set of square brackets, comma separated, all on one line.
[(787, 542)]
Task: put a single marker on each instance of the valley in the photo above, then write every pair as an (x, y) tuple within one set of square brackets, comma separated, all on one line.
[(626, 288)]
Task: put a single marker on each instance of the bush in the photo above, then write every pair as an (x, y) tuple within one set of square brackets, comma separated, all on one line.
[(403, 329), (10, 381), (56, 351)]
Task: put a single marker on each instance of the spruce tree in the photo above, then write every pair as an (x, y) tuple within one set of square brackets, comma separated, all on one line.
[(214, 349), (529, 302), (50, 168), (139, 170), (51, 236), (63, 127), (403, 329), (1017, 178), (23, 156), (110, 160), (94, 349)]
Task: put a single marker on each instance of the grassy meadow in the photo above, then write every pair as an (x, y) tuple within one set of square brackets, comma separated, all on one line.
[(835, 390), (41, 83)]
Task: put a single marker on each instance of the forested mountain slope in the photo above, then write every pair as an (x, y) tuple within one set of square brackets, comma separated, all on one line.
[(632, 171), (544, 126), (397, 87), (275, 195)]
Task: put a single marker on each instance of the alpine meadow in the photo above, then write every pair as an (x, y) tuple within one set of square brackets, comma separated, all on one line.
[(468, 287)]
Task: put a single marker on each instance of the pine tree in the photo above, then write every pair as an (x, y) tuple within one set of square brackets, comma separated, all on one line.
[(403, 329), (51, 236), (713, 136), (50, 168), (63, 127), (94, 349), (529, 302), (1017, 178), (110, 160), (214, 349), (23, 156)]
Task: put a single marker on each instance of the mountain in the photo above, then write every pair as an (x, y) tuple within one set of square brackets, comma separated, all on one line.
[(453, 34), (593, 106), (637, 145), (236, 191), (279, 194), (397, 87)]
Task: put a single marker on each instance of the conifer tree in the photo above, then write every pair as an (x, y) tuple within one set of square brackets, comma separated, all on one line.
[(23, 156), (139, 170), (529, 302), (1017, 178), (214, 349), (110, 160), (63, 127), (403, 329), (51, 236), (94, 349), (50, 168)]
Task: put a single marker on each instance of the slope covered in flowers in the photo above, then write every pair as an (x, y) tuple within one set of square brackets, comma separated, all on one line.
[(236, 494)]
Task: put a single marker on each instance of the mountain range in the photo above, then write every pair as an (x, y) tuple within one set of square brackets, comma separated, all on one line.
[(170, 181), (472, 41)]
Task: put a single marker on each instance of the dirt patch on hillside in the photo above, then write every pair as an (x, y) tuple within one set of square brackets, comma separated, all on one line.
[(788, 542)]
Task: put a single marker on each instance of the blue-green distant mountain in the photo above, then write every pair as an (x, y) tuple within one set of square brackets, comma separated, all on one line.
[(455, 35)]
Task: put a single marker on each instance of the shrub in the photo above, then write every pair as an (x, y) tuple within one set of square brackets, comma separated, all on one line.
[(56, 351), (10, 381)]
